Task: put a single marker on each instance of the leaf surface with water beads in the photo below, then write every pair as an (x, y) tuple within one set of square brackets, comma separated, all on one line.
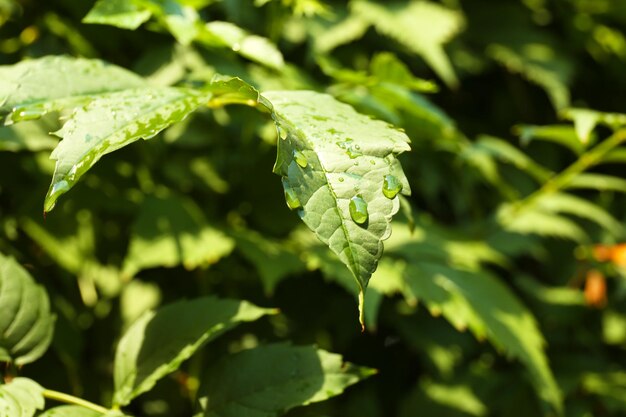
[(26, 92), (340, 170), (112, 122)]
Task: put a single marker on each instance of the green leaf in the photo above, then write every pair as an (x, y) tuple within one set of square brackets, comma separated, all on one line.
[(112, 122), (563, 135), (26, 92), (508, 153), (125, 14), (253, 47), (22, 397), (182, 21), (585, 121), (70, 411), (600, 182), (158, 342), (329, 36), (172, 231), (26, 324), (387, 68), (335, 165), (273, 260), (570, 204), (423, 27), (539, 222), (481, 302), (27, 136), (538, 63), (269, 380)]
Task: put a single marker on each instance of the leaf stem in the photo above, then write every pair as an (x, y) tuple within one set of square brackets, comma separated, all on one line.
[(70, 399)]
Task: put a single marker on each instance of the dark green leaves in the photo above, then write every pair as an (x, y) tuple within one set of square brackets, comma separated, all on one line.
[(423, 27), (341, 186), (269, 380), (158, 342), (26, 324), (173, 231)]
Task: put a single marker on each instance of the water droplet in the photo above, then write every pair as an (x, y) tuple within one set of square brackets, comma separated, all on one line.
[(300, 159), (282, 133), (391, 186), (340, 179), (351, 150), (358, 209), (236, 47), (21, 114), (292, 199), (372, 162)]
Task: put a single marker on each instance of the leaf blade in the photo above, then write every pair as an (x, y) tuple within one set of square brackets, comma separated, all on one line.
[(158, 342), (112, 122), (348, 155), (297, 376), (26, 324)]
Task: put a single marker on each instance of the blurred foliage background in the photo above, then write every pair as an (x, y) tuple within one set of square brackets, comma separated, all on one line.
[(509, 247)]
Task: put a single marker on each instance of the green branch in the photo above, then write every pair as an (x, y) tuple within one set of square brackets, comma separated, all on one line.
[(564, 178), (70, 399)]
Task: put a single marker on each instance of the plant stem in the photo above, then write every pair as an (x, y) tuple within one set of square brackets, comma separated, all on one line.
[(586, 161), (70, 399)]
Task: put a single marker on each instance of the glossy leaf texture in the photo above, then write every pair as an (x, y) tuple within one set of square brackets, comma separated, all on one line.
[(158, 342), (423, 27), (26, 323), (335, 165), (21, 397), (269, 380), (112, 122), (26, 92), (172, 231)]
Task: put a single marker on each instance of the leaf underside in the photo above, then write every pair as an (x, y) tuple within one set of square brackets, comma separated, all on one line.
[(346, 155), (111, 122)]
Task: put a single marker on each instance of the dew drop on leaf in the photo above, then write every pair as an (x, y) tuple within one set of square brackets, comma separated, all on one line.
[(290, 196), (358, 209), (282, 133), (391, 186), (21, 114), (300, 159)]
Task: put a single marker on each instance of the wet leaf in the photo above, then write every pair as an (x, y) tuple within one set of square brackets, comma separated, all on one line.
[(26, 93), (341, 187), (112, 122)]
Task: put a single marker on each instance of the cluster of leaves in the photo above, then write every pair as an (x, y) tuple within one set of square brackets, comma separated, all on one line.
[(501, 210)]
